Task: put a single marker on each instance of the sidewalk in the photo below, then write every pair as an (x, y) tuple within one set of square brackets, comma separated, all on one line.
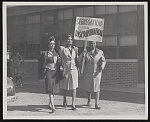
[(36, 105), (32, 102), (113, 93)]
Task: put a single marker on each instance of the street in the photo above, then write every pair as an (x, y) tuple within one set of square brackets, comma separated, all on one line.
[(33, 101)]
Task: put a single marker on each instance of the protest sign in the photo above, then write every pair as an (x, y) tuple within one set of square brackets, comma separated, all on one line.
[(89, 29)]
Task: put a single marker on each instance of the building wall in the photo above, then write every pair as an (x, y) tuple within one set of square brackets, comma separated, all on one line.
[(123, 41), (120, 73), (117, 73), (28, 30)]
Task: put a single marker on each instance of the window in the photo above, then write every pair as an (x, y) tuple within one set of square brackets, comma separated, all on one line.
[(17, 34), (33, 19), (32, 28), (33, 32), (29, 33), (47, 18), (67, 26), (32, 51), (109, 52), (110, 9), (110, 24), (128, 52), (60, 15), (36, 19), (111, 41), (68, 14), (127, 23), (36, 32), (128, 40), (128, 47), (14, 21), (59, 31), (89, 11), (79, 43), (101, 43), (29, 20), (78, 12), (126, 8), (65, 14), (99, 9)]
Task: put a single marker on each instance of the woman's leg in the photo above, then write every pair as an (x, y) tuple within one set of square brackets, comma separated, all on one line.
[(73, 97), (51, 101), (64, 98), (89, 99), (96, 100)]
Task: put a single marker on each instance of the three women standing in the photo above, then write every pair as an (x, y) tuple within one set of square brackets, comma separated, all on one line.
[(92, 72)]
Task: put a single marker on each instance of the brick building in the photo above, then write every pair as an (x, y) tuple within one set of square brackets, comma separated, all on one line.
[(123, 42)]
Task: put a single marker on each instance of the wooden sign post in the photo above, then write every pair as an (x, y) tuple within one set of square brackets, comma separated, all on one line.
[(83, 61)]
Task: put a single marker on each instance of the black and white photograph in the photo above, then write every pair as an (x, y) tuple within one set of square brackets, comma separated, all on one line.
[(75, 60)]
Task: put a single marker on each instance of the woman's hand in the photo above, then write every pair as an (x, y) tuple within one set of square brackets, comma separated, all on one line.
[(84, 52)]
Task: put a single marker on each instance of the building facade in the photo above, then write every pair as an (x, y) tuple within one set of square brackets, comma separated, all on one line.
[(123, 39)]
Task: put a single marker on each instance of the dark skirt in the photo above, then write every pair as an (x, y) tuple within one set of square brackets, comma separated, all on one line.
[(52, 87)]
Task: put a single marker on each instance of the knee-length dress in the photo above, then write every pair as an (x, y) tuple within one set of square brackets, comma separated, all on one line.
[(92, 72), (70, 68), (50, 66)]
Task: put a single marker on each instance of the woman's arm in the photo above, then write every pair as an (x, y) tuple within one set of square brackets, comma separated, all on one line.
[(80, 57), (103, 61)]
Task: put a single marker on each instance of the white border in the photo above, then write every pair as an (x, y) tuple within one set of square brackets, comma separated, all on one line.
[(6, 4), (146, 57), (73, 3)]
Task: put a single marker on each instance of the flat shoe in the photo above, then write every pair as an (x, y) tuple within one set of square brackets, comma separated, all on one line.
[(65, 105), (89, 104), (73, 107), (97, 107), (53, 110)]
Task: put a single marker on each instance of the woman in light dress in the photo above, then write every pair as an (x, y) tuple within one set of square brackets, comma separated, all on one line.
[(92, 72), (69, 56)]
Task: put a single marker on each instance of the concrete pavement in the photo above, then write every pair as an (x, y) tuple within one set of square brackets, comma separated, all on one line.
[(32, 102)]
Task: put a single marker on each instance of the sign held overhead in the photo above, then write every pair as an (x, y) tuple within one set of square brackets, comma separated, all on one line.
[(89, 29)]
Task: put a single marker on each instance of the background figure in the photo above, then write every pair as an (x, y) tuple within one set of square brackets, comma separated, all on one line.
[(69, 54), (17, 69), (91, 77), (8, 62), (41, 66), (41, 70), (51, 58)]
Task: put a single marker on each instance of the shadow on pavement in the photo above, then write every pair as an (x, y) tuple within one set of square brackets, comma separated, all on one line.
[(104, 94), (33, 108), (39, 108), (116, 96)]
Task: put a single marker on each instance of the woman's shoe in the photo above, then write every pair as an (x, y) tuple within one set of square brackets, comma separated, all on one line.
[(97, 107), (64, 104), (53, 110), (89, 104), (73, 107), (49, 106)]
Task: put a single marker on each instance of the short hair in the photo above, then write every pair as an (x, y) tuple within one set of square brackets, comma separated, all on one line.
[(69, 35), (90, 42), (52, 38)]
